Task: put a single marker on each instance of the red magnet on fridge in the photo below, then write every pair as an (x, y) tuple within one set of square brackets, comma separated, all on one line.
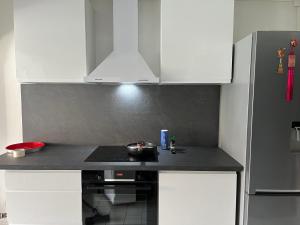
[(291, 71)]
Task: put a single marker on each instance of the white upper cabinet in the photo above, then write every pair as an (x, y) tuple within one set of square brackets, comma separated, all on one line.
[(196, 41), (137, 41), (50, 40)]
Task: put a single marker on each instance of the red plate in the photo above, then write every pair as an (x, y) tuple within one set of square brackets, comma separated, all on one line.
[(29, 146)]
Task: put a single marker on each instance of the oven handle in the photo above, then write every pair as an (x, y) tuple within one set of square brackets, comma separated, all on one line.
[(118, 187), (87, 182), (118, 180)]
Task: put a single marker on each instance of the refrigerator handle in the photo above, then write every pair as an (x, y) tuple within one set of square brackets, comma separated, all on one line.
[(277, 192)]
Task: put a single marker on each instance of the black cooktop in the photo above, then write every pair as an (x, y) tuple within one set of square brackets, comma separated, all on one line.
[(118, 154)]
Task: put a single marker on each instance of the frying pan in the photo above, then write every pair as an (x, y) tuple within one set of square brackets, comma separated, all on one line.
[(141, 148)]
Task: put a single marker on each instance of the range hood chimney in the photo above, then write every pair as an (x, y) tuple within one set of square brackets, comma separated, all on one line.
[(124, 64)]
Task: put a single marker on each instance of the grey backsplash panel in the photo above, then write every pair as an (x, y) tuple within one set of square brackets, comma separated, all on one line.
[(120, 114)]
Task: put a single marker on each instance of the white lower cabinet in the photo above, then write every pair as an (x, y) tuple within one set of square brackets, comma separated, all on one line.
[(197, 198), (43, 197), (42, 208), (185, 198)]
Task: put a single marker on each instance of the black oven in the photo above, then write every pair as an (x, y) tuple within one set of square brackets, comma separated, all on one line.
[(114, 197)]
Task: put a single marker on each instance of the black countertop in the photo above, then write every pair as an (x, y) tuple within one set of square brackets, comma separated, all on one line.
[(72, 157)]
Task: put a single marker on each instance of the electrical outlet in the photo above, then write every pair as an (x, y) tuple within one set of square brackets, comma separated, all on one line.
[(3, 215)]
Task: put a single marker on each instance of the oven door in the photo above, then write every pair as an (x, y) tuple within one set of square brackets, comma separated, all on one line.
[(115, 202)]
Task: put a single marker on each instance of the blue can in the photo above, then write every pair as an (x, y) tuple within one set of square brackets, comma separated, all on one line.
[(164, 139)]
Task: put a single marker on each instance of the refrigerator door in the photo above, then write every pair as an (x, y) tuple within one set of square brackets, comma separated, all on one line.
[(273, 210), (273, 165)]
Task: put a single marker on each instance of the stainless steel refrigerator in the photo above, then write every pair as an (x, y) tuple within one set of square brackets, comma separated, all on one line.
[(261, 129)]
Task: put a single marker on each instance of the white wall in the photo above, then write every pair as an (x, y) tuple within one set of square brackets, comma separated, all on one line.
[(256, 15), (10, 98)]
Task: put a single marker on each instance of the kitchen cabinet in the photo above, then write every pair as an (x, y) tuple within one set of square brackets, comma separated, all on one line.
[(44, 197), (185, 197), (63, 41), (196, 41), (50, 40), (197, 198)]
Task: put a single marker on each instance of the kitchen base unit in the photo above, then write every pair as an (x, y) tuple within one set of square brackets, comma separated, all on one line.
[(197, 198), (43, 197), (196, 186)]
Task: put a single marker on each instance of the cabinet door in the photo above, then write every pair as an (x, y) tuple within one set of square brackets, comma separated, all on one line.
[(197, 40), (50, 40), (44, 208), (197, 198), (44, 197)]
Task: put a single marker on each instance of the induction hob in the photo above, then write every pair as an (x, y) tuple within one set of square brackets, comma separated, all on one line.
[(118, 154)]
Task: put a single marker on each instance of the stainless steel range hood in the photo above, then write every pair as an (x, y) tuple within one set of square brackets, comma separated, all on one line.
[(124, 64)]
